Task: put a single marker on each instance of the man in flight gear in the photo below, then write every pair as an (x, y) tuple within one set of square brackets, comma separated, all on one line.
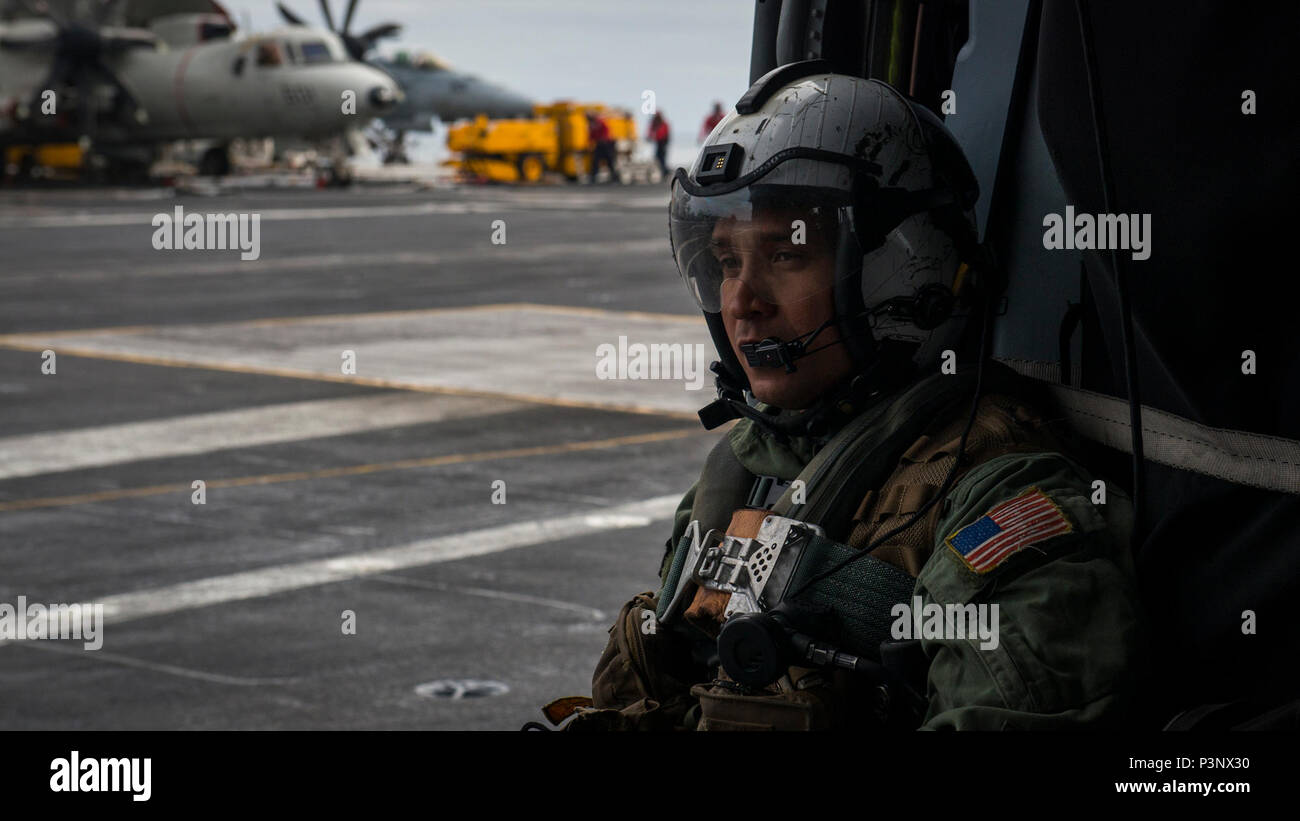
[(891, 535)]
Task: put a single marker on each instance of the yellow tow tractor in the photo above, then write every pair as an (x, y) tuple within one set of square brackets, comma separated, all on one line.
[(554, 140), (54, 159)]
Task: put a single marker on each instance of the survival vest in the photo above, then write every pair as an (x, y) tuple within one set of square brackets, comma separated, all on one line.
[(877, 471), (871, 476)]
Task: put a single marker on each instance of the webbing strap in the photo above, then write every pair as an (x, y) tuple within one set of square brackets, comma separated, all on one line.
[(674, 575), (862, 595), (1241, 457), (863, 454)]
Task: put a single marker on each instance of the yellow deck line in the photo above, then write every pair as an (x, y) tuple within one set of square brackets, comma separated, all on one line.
[(368, 381)]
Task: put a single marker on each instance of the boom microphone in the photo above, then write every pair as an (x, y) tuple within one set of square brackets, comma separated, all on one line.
[(773, 352)]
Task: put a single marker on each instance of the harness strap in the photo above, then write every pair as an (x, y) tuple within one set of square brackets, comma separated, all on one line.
[(863, 454)]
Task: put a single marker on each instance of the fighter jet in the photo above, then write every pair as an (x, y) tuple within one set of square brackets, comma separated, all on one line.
[(124, 90), (432, 88)]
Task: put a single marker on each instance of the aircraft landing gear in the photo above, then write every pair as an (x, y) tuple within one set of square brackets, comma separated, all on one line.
[(333, 170), (395, 151), (215, 161)]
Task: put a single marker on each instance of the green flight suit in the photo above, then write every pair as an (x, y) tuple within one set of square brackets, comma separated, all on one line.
[(1070, 629)]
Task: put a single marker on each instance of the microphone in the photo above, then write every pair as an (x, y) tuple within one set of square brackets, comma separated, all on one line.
[(773, 352)]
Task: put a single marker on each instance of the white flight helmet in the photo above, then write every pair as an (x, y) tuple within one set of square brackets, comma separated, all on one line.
[(875, 181)]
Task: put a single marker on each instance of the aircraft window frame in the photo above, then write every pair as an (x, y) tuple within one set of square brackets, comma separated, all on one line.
[(320, 52), (214, 31)]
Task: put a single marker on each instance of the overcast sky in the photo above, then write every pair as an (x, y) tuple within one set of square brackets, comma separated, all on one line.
[(689, 52)]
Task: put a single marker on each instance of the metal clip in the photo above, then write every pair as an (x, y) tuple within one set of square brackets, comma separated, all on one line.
[(745, 568), (686, 585), (769, 565)]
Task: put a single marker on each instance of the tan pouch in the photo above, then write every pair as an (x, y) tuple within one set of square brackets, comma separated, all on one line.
[(629, 690), (723, 709)]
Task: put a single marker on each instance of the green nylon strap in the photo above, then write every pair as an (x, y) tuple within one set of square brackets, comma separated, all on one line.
[(863, 454), (861, 595), (674, 575)]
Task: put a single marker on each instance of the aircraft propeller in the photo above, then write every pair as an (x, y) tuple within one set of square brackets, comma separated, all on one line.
[(357, 44), (80, 50)]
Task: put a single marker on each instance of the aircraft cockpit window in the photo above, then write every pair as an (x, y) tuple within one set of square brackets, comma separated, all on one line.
[(268, 54), (428, 62), (314, 51), (214, 31)]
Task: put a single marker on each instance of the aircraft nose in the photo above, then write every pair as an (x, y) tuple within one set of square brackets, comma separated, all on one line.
[(383, 97)]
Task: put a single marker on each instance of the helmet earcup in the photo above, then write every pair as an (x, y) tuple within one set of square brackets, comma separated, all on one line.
[(931, 304)]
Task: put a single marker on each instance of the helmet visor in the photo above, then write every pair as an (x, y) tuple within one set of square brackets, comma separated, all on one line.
[(777, 239)]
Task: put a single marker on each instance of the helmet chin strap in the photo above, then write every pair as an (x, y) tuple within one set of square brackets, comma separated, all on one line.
[(831, 410)]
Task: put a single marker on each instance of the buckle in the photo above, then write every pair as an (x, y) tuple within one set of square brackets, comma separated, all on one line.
[(744, 567)]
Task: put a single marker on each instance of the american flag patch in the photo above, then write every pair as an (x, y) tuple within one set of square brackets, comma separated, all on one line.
[(1017, 523)]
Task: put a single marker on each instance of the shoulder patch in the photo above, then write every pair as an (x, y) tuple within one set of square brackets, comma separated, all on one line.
[(1013, 525)]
